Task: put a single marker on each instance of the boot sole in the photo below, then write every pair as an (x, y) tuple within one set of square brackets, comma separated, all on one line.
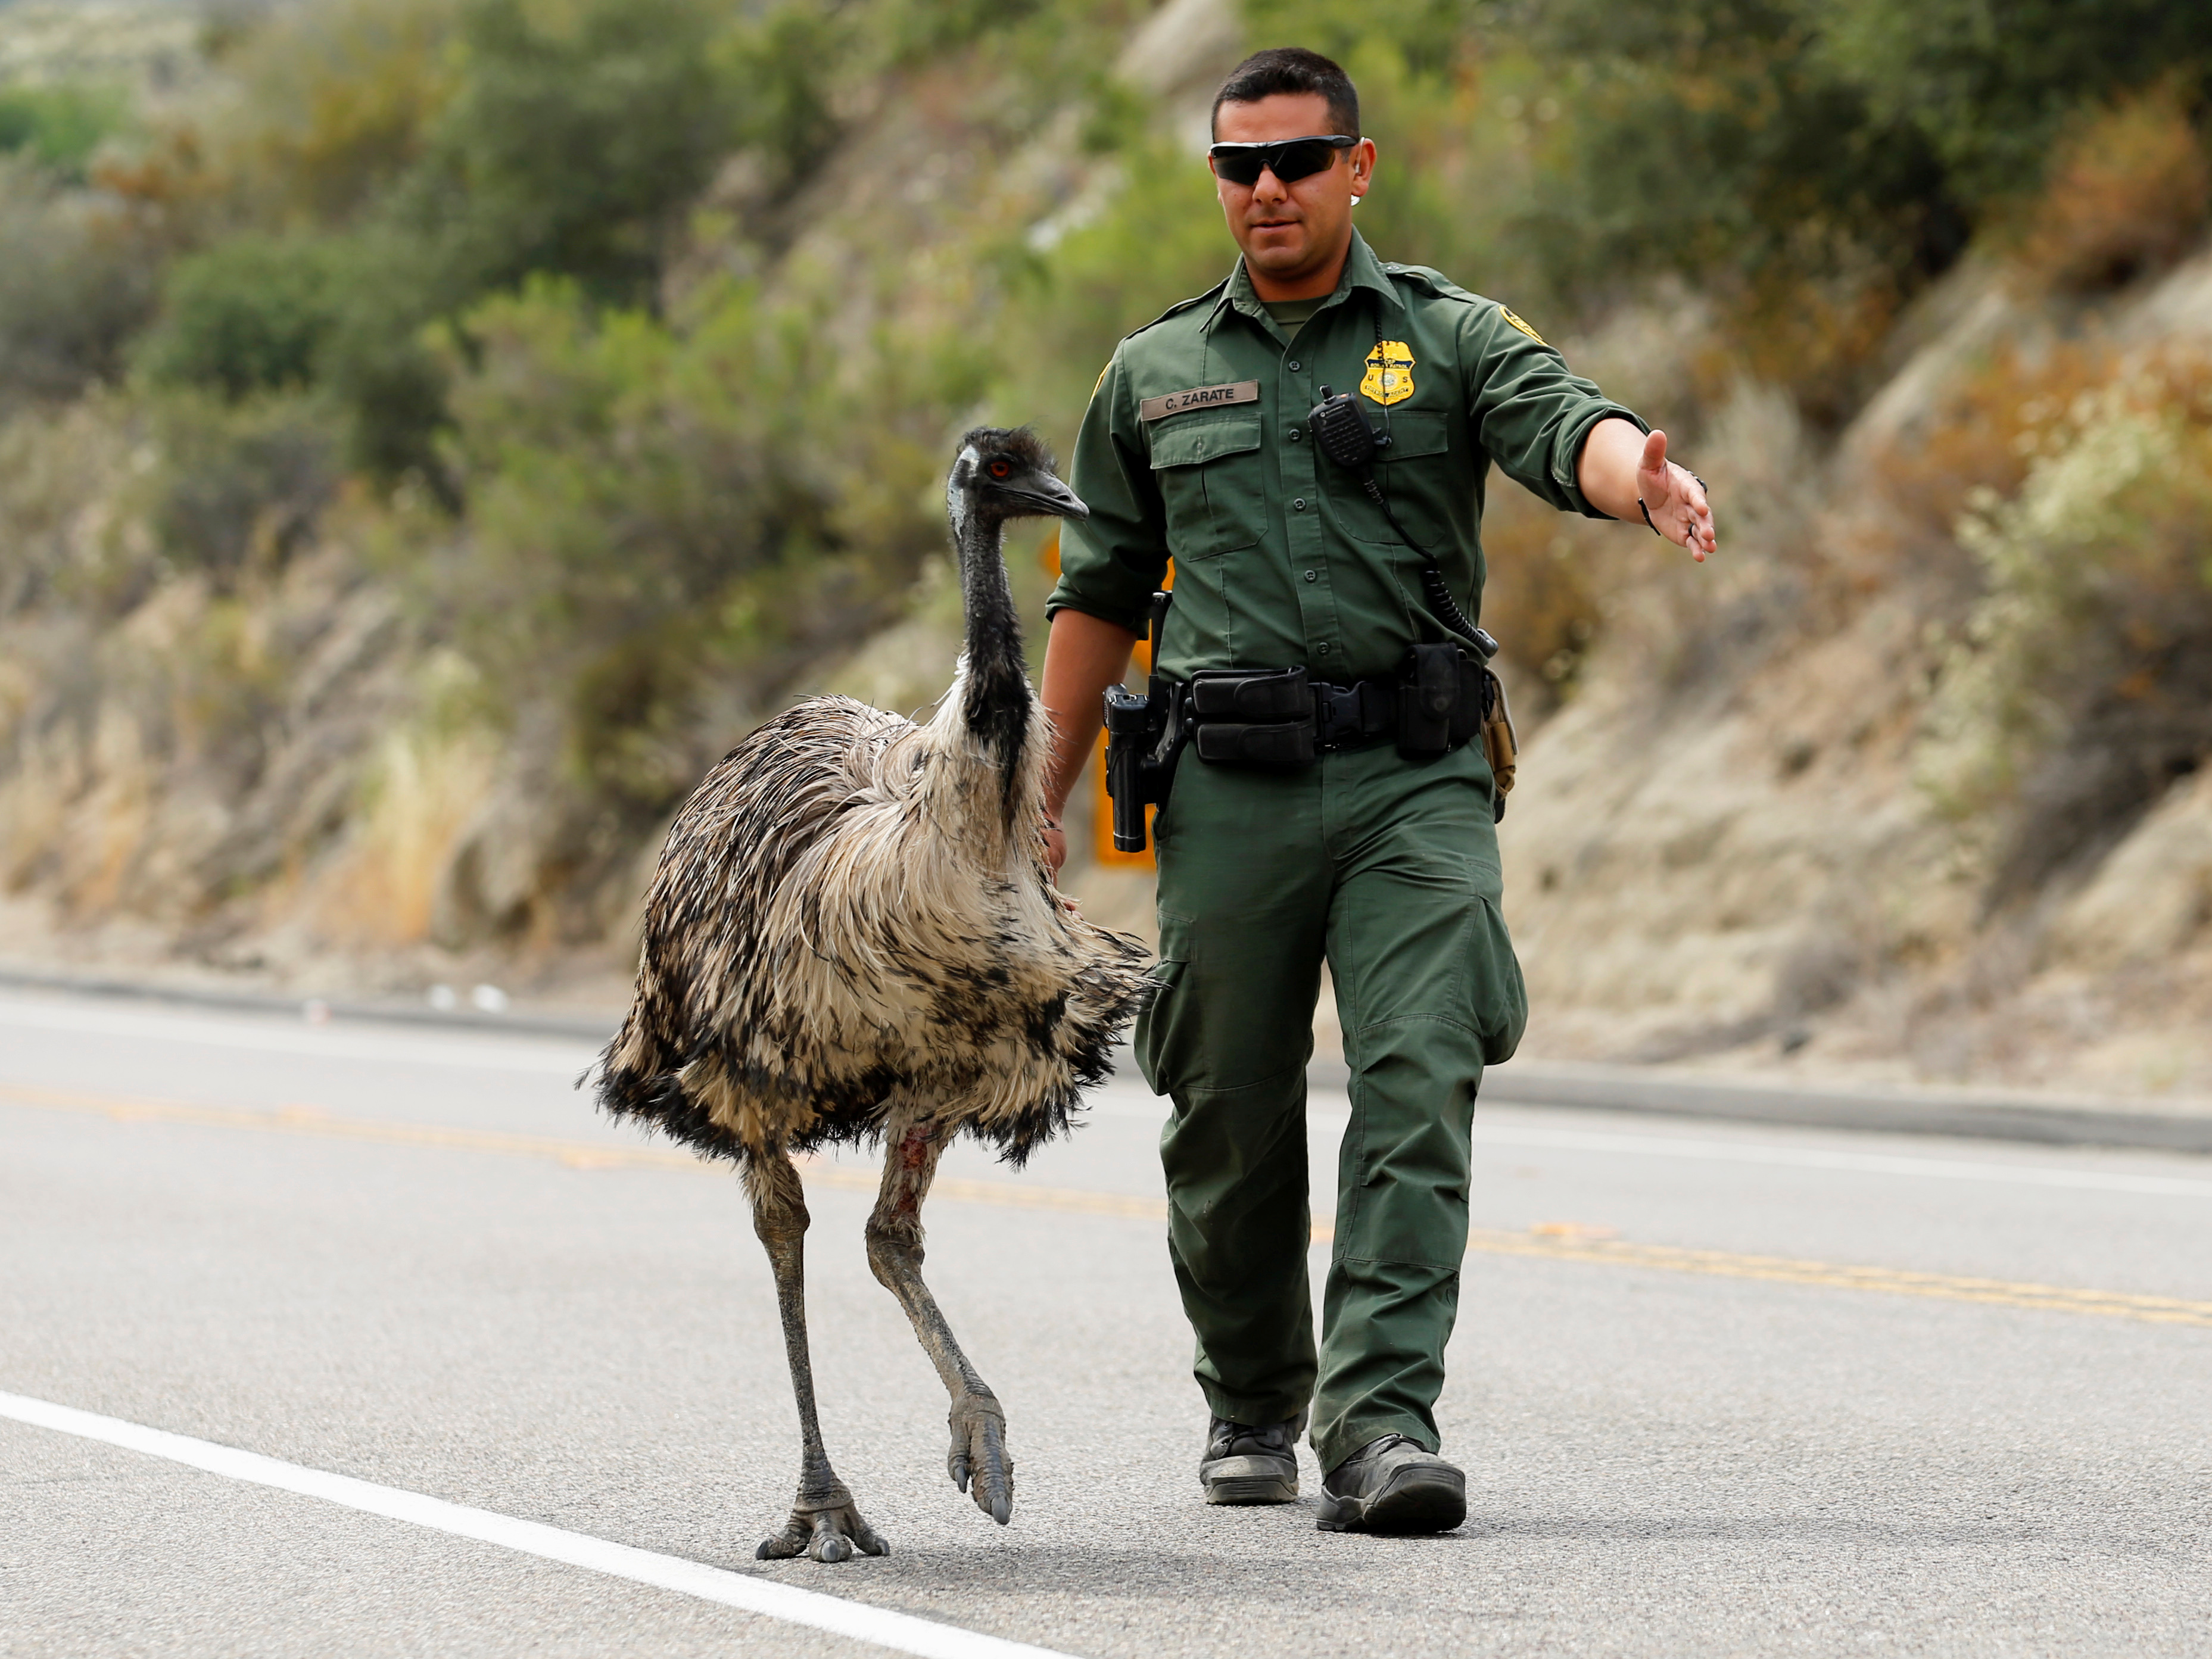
[(1419, 1500), (1252, 1489)]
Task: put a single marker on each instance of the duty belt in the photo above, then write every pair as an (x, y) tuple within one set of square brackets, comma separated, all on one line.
[(1279, 719)]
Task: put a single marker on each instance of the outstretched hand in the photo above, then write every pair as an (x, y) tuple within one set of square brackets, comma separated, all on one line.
[(1674, 500)]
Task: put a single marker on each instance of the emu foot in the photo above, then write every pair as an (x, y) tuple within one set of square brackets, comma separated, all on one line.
[(978, 1460), (829, 1530)]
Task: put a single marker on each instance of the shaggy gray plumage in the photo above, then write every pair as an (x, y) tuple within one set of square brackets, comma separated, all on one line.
[(852, 935)]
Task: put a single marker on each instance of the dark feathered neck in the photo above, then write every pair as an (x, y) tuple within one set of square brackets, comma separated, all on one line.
[(995, 697)]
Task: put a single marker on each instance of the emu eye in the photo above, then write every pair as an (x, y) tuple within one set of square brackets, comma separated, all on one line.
[(1001, 469)]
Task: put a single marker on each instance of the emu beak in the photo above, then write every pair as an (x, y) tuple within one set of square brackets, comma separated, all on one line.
[(1051, 499)]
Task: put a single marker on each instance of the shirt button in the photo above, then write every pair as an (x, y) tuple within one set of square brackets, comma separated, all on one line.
[(1310, 575), (1300, 504), (1324, 647), (1294, 365), (1296, 433)]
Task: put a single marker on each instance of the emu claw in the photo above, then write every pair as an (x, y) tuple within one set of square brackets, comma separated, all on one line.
[(827, 1532), (978, 1457)]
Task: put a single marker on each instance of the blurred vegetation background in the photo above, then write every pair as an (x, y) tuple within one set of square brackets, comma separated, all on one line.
[(432, 430)]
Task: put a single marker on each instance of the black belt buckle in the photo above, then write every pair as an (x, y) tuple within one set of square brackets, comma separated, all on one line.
[(1336, 717)]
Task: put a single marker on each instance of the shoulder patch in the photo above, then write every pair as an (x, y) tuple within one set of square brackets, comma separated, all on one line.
[(1179, 308), (1514, 320)]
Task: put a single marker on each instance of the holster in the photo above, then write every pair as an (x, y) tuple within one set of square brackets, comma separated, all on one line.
[(1145, 738)]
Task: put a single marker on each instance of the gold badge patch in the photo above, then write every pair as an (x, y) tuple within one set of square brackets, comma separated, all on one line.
[(1389, 377), (1507, 312)]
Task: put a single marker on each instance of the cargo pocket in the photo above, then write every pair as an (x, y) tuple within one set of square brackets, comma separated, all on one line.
[(1500, 998), (1162, 1029), (1416, 478), (1209, 476)]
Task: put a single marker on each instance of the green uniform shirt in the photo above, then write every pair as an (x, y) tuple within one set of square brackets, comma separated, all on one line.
[(1196, 446)]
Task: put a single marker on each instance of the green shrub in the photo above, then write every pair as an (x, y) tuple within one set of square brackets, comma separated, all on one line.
[(59, 126), (79, 274), (246, 315), (2081, 684), (651, 508), (564, 141), (572, 144), (237, 487), (334, 101), (1992, 86), (781, 73)]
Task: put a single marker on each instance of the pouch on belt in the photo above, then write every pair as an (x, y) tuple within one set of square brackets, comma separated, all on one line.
[(1261, 720)]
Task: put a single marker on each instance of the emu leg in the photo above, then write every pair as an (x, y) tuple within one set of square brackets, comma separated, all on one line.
[(978, 1424), (823, 1522)]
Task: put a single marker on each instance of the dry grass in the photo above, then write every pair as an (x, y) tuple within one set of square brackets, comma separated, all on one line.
[(1982, 437), (1819, 338), (424, 788), (2127, 196)]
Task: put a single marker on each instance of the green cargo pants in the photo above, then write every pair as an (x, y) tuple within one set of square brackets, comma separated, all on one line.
[(1388, 869)]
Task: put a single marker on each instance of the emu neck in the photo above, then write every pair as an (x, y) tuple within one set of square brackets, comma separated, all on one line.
[(996, 691)]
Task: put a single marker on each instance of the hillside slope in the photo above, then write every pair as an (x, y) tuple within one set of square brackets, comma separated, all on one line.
[(1733, 845), (1909, 781)]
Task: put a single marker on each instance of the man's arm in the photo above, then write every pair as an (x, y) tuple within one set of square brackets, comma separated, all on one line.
[(1557, 435), (1083, 655), (1619, 465)]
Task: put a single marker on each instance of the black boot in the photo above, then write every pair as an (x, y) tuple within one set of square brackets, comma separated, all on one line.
[(1251, 1466), (1391, 1484)]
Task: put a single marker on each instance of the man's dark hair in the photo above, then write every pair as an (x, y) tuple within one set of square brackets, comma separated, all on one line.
[(1291, 69)]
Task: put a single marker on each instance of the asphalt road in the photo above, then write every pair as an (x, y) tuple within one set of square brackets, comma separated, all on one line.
[(1720, 1389)]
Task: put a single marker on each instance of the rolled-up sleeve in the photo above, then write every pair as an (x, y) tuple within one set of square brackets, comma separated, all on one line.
[(1111, 563), (1532, 412)]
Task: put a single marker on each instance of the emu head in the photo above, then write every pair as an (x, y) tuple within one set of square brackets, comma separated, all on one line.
[(1003, 474)]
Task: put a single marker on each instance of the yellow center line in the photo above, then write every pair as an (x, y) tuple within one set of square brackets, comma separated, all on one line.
[(1552, 1244)]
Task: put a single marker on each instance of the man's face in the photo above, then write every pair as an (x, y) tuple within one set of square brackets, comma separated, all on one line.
[(1289, 232)]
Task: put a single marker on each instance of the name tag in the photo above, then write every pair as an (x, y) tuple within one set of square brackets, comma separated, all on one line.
[(1198, 396)]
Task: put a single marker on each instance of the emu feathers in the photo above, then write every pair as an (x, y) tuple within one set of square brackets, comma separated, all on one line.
[(853, 909)]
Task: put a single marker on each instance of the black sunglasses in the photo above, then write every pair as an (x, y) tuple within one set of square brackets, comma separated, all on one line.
[(1288, 159)]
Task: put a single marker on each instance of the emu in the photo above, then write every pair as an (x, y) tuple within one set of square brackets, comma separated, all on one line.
[(851, 935)]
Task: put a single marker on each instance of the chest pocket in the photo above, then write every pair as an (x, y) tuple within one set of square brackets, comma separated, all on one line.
[(1209, 474), (1418, 480)]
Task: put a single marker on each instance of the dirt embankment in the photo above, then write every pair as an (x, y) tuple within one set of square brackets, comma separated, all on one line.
[(1745, 839)]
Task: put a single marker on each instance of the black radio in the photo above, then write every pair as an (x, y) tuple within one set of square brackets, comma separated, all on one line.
[(1340, 431)]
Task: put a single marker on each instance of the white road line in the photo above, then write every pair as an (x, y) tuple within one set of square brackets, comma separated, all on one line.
[(550, 1057), (901, 1633)]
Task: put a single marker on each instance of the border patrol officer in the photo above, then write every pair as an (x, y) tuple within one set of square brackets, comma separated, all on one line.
[(1196, 447)]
